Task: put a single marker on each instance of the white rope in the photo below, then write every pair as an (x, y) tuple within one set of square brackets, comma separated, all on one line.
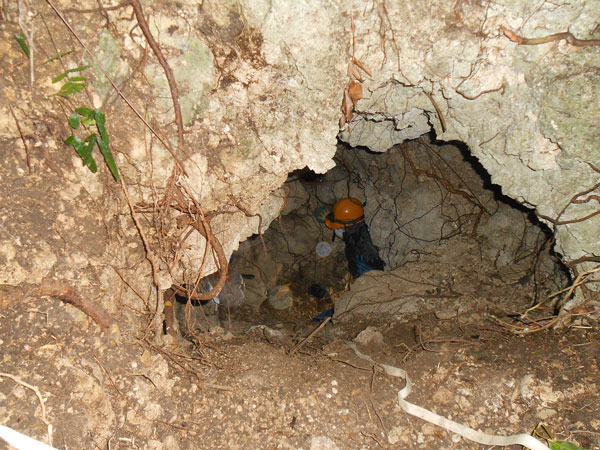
[(20, 441), (466, 432)]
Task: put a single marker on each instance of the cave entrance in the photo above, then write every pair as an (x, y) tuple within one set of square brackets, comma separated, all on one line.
[(451, 242)]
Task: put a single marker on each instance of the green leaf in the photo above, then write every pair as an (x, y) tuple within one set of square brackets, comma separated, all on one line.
[(22, 41), (101, 123), (70, 88), (78, 69), (74, 120), (88, 122), (57, 78), (103, 143), (86, 153), (61, 76), (87, 112), (72, 140), (108, 157), (84, 149), (562, 445)]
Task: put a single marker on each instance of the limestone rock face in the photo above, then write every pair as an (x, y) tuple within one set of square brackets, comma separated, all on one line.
[(529, 113), (258, 87)]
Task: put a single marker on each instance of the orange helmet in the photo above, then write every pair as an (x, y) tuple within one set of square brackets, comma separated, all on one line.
[(347, 212)]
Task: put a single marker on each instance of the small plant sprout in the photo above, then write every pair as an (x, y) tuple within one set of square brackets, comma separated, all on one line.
[(92, 117), (73, 84)]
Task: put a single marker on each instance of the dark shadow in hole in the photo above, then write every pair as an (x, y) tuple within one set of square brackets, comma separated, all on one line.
[(487, 184), (305, 175), (500, 197), (494, 188)]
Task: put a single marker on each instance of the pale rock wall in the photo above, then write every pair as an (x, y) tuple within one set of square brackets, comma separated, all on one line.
[(529, 113)]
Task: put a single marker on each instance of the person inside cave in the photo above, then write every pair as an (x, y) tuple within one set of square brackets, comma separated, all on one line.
[(347, 219)]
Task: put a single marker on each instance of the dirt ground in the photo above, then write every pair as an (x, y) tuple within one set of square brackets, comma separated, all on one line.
[(247, 384)]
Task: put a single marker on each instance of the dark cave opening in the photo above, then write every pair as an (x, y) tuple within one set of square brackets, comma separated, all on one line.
[(430, 207)]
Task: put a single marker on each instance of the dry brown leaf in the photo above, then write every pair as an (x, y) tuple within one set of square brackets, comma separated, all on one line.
[(355, 91), (347, 105)]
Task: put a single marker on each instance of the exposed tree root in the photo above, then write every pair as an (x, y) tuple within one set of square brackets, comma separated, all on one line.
[(248, 214), (57, 289), (212, 241), (139, 14), (551, 38), (67, 294)]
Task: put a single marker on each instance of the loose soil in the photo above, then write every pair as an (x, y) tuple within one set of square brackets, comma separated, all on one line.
[(241, 385)]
